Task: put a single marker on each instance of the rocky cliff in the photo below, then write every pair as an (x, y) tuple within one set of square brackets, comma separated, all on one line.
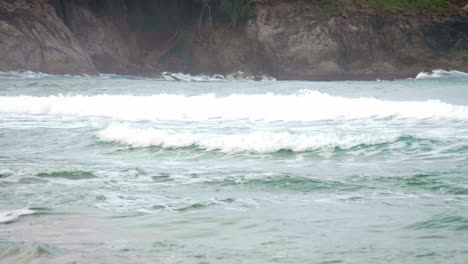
[(32, 37), (286, 39), (304, 42)]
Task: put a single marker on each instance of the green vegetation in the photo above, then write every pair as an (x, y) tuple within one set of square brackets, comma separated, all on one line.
[(238, 10), (331, 6), (410, 4), (331, 9)]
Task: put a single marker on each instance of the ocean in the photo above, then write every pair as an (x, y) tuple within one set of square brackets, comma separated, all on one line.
[(214, 169)]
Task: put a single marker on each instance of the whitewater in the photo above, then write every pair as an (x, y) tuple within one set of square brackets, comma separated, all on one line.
[(308, 106), (233, 169)]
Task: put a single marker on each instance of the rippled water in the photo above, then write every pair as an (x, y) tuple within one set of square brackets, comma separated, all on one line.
[(116, 169)]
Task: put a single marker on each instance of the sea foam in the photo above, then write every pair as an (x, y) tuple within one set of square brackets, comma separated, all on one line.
[(13, 215), (236, 76), (304, 106), (441, 74), (24, 75), (257, 142)]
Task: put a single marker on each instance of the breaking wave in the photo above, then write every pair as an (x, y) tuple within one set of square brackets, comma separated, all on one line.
[(257, 142), (166, 76), (24, 75), (304, 106), (237, 76), (13, 215), (441, 74)]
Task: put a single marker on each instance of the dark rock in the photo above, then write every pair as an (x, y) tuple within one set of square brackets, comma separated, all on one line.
[(32, 37), (361, 45), (107, 39), (287, 39)]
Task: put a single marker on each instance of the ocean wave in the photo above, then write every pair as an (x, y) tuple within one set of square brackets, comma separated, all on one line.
[(236, 76), (13, 215), (304, 106), (24, 75), (435, 74), (166, 76), (257, 142), (5, 173), (443, 221), (69, 175), (29, 252)]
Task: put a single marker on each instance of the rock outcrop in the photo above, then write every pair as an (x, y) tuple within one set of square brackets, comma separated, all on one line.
[(305, 43), (106, 38), (302, 41), (287, 39), (33, 37)]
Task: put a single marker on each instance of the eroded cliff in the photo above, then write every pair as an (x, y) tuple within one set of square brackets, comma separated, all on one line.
[(33, 37), (312, 40), (306, 43)]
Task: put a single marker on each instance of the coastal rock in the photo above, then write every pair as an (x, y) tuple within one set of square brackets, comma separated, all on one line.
[(229, 52), (32, 37), (302, 46), (306, 43), (311, 40), (105, 37)]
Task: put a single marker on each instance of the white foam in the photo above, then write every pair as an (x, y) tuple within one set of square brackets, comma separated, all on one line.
[(35, 75), (258, 142), (237, 76), (169, 76), (305, 106), (440, 74), (24, 75), (10, 216)]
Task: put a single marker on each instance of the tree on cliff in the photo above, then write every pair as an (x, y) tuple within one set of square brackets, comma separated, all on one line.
[(216, 10), (206, 6), (238, 10)]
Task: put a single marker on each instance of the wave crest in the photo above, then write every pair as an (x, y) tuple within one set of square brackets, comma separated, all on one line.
[(166, 76), (305, 106), (435, 74), (13, 215), (236, 76), (257, 142), (24, 75)]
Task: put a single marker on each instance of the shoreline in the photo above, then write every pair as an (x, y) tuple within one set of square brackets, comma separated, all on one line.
[(237, 76), (288, 41)]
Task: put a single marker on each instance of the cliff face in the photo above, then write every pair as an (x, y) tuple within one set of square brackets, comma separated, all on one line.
[(106, 38), (288, 40), (302, 41), (359, 44), (32, 37)]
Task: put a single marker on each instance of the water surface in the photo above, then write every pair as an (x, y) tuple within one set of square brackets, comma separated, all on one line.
[(116, 169)]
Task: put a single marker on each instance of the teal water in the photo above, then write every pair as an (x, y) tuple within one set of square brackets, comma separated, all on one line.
[(116, 169)]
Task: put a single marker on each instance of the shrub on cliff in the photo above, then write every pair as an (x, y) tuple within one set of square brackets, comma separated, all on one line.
[(238, 10), (411, 4)]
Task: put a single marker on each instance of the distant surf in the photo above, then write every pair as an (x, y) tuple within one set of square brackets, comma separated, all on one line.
[(434, 74), (165, 76), (303, 106), (234, 76)]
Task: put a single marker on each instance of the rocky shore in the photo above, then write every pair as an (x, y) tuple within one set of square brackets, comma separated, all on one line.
[(285, 39)]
